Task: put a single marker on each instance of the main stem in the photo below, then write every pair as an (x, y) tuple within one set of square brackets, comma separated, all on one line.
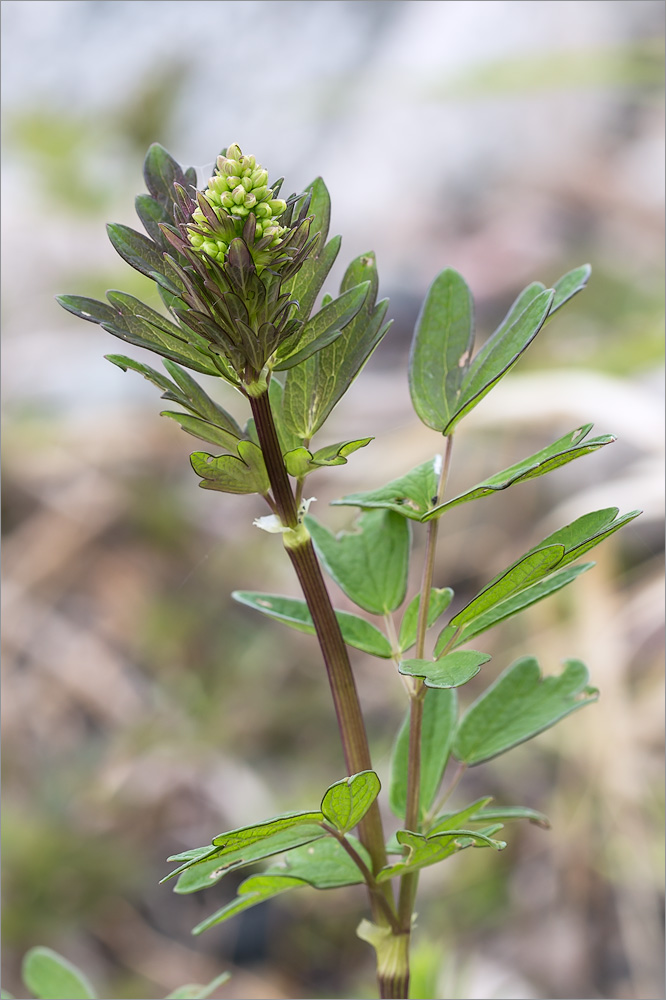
[(409, 882), (340, 676)]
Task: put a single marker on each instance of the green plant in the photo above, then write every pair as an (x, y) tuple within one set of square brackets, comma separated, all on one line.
[(240, 272)]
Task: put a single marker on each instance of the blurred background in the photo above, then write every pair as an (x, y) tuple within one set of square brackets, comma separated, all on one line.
[(144, 713)]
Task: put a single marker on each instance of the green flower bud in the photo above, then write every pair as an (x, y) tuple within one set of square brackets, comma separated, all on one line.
[(277, 206), (227, 200), (262, 193), (229, 167), (259, 177), (234, 151), (210, 248), (238, 194), (247, 183), (250, 200), (196, 239), (262, 211)]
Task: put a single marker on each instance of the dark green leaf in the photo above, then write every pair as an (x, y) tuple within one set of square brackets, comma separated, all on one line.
[(442, 345), (423, 851), (298, 357), (438, 603), (125, 363), (161, 172), (513, 606), (89, 309), (228, 474), (152, 213), (566, 449), (410, 496), (370, 563), (301, 462), (324, 864), (452, 671), (440, 712), (51, 977), (195, 991), (356, 631), (204, 430), (253, 890), (135, 248), (328, 322), (498, 355), (199, 402), (587, 531), (346, 802), (305, 286), (519, 705)]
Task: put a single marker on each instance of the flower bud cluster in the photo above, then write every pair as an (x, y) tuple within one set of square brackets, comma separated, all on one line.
[(238, 188)]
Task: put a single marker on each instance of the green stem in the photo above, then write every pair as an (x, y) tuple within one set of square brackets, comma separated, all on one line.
[(340, 676), (409, 882)]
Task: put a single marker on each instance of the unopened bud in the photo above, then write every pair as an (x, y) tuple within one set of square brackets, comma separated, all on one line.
[(247, 183), (238, 194), (234, 152), (259, 177), (277, 206)]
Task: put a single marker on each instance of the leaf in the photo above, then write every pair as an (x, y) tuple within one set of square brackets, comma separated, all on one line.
[(528, 569), (347, 801), (51, 977), (423, 851), (89, 309), (569, 285), (152, 213), (411, 495), (307, 282), (566, 449), (585, 532), (192, 396), (253, 890), (301, 462), (459, 818), (452, 671), (245, 474), (371, 563), (525, 599), (498, 355), (356, 631), (298, 357), (438, 603), (161, 172), (327, 323), (195, 991), (440, 713), (505, 814), (442, 345), (137, 250), (323, 864), (203, 430), (519, 705)]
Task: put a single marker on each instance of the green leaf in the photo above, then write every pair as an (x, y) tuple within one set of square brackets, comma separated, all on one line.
[(152, 213), (519, 705), (498, 355), (528, 569), (566, 449), (452, 671), (440, 713), (439, 602), (325, 325), (88, 309), (161, 172), (301, 462), (460, 818), (137, 250), (51, 977), (525, 599), (245, 836), (505, 814), (569, 285), (203, 430), (371, 563), (253, 890), (587, 531), (423, 851), (324, 864), (307, 282), (320, 208), (245, 474), (347, 801), (356, 632), (411, 495), (4, 995), (195, 991), (192, 396), (442, 345), (313, 388)]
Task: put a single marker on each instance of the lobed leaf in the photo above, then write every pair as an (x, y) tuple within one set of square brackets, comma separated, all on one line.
[(325, 326), (203, 430), (564, 450), (451, 671), (324, 864), (230, 474), (371, 563), (459, 818), (301, 462), (411, 495), (519, 705), (347, 801), (423, 851), (356, 632), (440, 713)]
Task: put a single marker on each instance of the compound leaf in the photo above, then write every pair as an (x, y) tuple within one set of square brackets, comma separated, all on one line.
[(423, 851), (411, 495), (230, 474), (452, 671)]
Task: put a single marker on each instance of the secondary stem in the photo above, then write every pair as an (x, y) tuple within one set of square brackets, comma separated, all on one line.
[(409, 882)]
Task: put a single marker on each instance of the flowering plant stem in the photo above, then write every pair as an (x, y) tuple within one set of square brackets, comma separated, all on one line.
[(239, 272)]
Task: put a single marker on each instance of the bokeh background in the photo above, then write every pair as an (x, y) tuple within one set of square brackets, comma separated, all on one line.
[(143, 711)]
